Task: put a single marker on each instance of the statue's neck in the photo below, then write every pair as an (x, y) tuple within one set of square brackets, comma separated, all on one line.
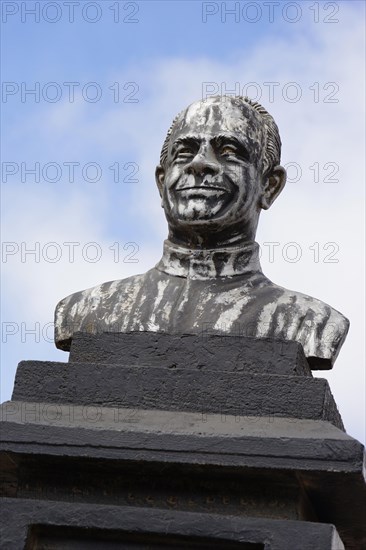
[(203, 263), (214, 237)]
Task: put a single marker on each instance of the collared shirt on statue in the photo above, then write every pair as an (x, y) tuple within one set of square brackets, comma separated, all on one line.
[(217, 290)]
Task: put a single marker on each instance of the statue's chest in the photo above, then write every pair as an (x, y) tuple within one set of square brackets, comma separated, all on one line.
[(170, 304)]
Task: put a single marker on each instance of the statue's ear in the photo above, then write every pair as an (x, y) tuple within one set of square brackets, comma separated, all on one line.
[(272, 186), (159, 178)]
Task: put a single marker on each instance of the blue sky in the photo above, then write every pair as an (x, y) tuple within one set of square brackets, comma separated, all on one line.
[(310, 58)]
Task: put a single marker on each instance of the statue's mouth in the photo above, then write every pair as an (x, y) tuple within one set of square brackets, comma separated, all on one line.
[(202, 191)]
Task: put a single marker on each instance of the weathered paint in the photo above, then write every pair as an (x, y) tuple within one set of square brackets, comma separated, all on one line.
[(219, 169), (192, 292)]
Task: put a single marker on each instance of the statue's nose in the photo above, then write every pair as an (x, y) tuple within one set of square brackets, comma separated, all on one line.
[(203, 164)]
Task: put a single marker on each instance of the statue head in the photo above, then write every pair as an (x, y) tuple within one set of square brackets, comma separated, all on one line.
[(219, 167)]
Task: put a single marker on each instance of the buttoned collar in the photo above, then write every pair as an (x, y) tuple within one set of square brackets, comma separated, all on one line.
[(209, 264)]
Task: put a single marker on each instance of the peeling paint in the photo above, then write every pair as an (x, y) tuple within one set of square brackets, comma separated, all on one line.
[(188, 292), (213, 189)]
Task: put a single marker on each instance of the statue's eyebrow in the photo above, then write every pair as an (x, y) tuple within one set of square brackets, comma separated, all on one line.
[(186, 140)]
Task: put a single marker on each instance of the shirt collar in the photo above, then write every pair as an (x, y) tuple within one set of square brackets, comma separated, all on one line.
[(209, 264)]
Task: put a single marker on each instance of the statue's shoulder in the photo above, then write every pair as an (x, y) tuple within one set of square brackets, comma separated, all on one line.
[(88, 310), (319, 327)]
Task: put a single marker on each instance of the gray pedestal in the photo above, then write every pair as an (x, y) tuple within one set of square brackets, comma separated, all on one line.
[(178, 455)]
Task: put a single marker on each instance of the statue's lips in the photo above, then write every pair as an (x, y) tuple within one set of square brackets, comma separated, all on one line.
[(202, 191)]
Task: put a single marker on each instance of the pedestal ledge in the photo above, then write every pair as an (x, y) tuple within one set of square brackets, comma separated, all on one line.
[(316, 462)]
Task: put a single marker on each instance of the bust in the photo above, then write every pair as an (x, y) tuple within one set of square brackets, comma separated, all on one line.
[(219, 168)]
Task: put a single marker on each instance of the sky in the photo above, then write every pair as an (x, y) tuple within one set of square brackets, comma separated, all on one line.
[(89, 90)]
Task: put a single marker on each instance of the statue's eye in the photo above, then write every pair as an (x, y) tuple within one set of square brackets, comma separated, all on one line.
[(228, 150), (184, 152)]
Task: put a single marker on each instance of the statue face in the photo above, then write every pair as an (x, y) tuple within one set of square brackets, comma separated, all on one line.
[(214, 168)]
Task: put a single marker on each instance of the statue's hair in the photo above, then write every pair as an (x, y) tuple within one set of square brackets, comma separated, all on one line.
[(272, 155)]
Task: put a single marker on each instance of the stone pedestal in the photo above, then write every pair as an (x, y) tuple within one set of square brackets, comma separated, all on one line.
[(145, 441)]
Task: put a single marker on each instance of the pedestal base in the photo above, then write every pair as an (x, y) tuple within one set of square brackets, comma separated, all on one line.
[(47, 524), (131, 456)]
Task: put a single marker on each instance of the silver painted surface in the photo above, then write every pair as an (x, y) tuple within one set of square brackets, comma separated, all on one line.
[(185, 293), (219, 169)]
